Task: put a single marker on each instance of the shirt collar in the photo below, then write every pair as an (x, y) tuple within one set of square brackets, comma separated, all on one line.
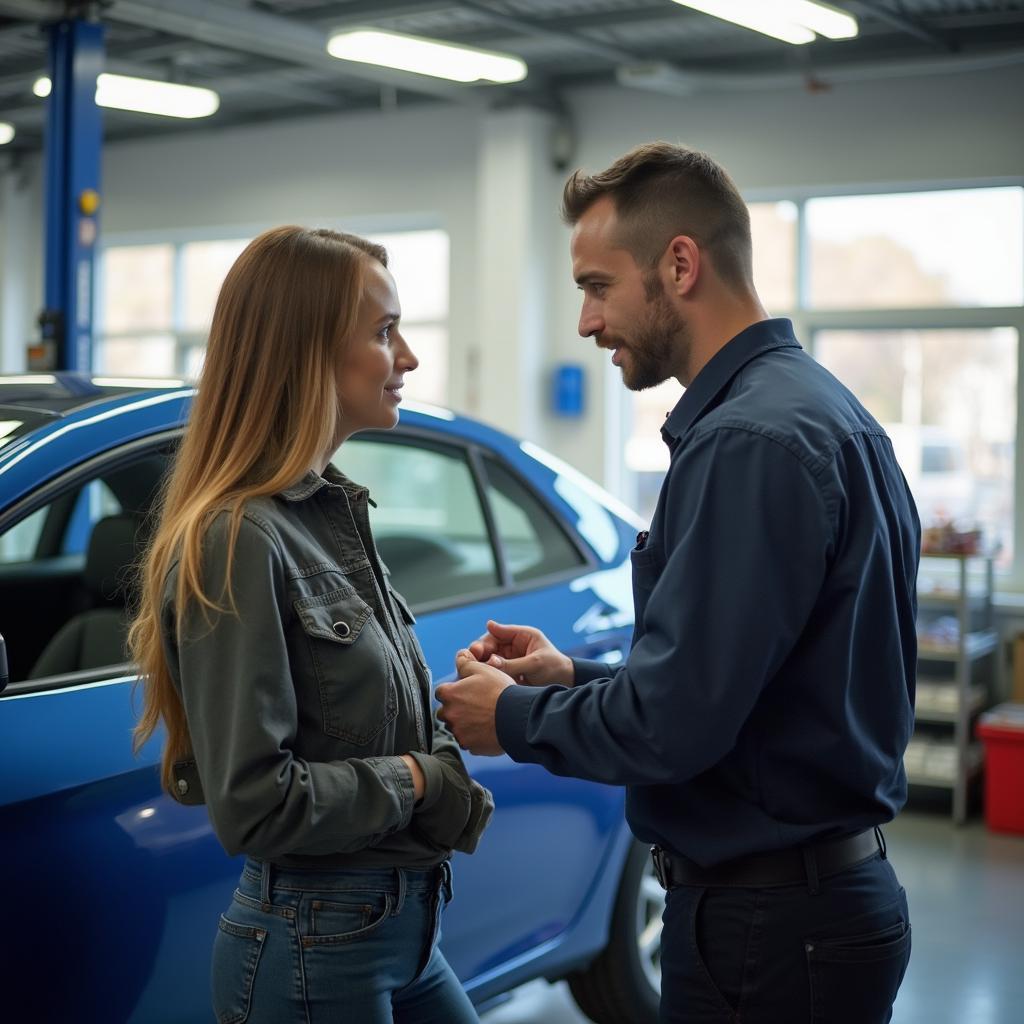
[(312, 481), (753, 341)]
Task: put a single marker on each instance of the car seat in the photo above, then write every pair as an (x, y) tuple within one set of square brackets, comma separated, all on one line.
[(97, 635)]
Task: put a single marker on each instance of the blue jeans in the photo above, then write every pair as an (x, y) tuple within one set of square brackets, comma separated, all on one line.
[(829, 951), (326, 947)]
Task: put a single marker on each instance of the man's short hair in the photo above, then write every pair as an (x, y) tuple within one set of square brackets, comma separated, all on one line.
[(661, 190)]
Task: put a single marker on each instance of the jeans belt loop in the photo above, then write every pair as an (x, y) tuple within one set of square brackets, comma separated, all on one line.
[(402, 884), (447, 883), (265, 883)]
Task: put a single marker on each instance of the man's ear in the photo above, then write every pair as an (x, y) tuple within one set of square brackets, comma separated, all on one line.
[(683, 264)]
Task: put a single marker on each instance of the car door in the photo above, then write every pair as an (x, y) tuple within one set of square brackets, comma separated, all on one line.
[(115, 881), (466, 538)]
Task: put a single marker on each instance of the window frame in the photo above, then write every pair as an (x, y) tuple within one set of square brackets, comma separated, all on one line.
[(808, 322), (531, 492), (71, 480), (475, 455), (186, 339)]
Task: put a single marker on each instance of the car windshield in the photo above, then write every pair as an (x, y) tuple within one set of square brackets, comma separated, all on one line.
[(14, 422)]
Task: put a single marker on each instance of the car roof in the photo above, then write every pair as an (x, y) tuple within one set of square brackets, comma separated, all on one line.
[(37, 407), (58, 394), (29, 401), (37, 398)]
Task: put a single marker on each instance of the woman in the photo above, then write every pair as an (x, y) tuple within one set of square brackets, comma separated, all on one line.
[(283, 664)]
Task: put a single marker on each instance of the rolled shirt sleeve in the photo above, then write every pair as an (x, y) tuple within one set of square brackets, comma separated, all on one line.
[(240, 705), (721, 600), (455, 809)]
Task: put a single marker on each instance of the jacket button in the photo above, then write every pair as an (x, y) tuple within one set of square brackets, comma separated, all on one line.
[(342, 629), (182, 786)]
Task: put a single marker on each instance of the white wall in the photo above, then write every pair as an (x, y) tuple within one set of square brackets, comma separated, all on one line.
[(402, 168), (21, 259), (956, 126), (425, 164)]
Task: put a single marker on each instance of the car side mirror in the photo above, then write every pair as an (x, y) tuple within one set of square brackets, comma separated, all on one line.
[(5, 677)]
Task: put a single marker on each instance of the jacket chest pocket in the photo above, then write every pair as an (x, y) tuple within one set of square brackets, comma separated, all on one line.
[(353, 667)]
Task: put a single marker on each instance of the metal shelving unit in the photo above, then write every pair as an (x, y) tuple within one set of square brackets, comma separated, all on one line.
[(955, 679)]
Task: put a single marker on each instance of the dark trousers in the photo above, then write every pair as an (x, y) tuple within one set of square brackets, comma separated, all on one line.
[(830, 951)]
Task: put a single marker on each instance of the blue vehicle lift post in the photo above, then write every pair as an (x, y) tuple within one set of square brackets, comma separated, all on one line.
[(74, 135)]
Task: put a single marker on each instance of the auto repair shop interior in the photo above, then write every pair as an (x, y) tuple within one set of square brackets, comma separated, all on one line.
[(145, 143)]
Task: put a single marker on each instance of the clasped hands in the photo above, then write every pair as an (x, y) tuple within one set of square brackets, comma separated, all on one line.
[(504, 656)]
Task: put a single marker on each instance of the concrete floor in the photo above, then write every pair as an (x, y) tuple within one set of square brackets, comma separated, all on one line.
[(966, 892)]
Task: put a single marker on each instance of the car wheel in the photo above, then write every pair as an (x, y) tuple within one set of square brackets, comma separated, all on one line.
[(623, 984)]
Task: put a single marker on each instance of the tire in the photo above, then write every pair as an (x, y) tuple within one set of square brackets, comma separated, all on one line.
[(622, 985)]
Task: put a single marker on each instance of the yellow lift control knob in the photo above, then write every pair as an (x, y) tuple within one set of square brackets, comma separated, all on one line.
[(89, 201)]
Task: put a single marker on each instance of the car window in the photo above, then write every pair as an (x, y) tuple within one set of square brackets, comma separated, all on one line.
[(19, 543), (65, 570), (428, 524), (95, 501), (92, 502), (534, 544)]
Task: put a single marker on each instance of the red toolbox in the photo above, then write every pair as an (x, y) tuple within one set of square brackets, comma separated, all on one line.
[(1002, 732)]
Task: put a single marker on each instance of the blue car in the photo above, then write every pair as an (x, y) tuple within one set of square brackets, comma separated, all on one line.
[(112, 890)]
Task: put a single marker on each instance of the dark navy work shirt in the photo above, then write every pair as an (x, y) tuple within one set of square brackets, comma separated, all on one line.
[(767, 699)]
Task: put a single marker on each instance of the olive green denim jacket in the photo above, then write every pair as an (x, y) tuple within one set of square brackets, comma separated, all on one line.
[(300, 706)]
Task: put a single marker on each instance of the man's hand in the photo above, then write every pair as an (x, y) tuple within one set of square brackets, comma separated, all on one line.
[(468, 706), (524, 653)]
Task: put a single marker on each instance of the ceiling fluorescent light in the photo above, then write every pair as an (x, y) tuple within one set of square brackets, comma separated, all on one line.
[(6, 133), (822, 18), (789, 20), (425, 56), (146, 96), (759, 15)]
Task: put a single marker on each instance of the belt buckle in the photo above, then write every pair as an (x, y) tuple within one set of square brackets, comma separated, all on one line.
[(660, 866)]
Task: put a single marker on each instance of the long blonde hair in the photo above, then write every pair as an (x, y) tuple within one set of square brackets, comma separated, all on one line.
[(267, 406)]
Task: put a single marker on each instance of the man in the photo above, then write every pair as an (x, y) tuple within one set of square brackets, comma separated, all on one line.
[(760, 719)]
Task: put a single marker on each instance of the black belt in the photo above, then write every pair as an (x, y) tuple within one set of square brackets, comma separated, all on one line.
[(779, 867)]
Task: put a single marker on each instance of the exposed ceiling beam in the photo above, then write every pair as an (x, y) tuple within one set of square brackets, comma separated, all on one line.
[(898, 19), (279, 83), (272, 36), (370, 12), (977, 19), (21, 115), (656, 77), (124, 132), (254, 32), (43, 10), (26, 36), (537, 27)]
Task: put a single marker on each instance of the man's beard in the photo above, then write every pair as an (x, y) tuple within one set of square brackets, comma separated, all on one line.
[(659, 345)]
